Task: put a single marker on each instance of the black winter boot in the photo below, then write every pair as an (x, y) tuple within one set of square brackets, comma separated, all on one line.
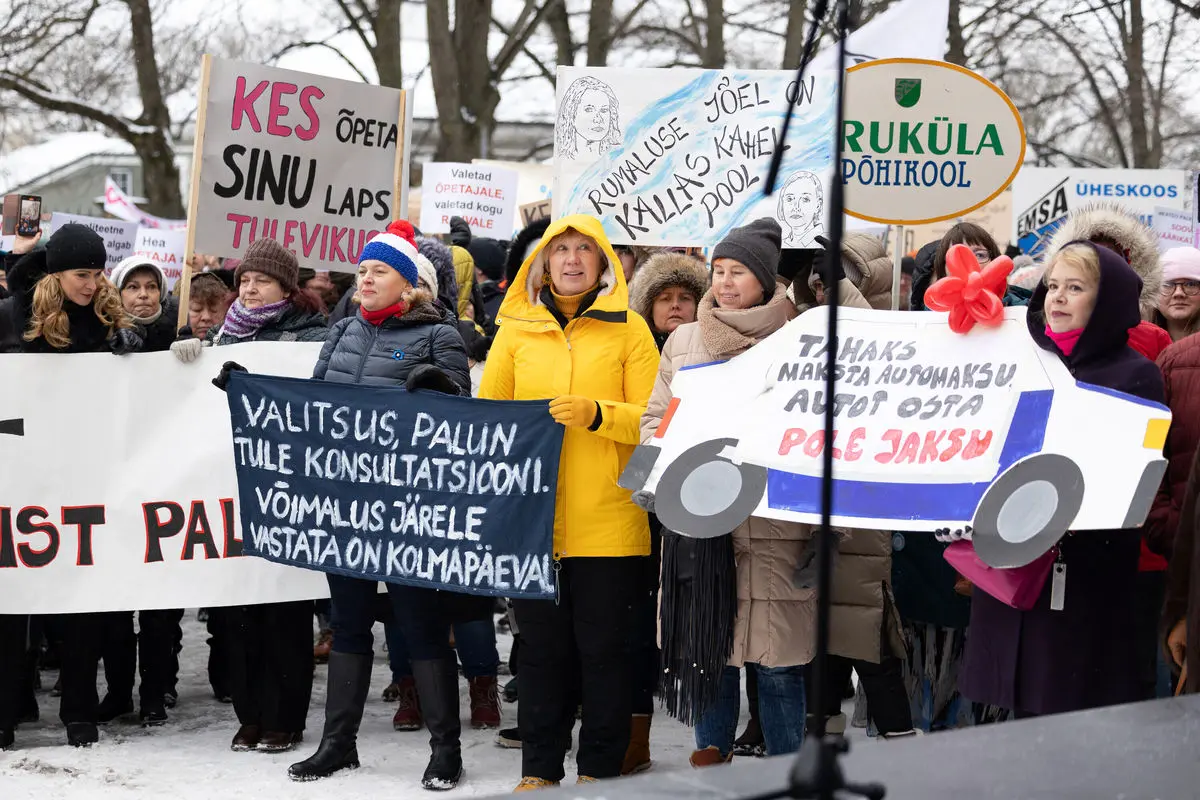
[(82, 734), (349, 682), (438, 681)]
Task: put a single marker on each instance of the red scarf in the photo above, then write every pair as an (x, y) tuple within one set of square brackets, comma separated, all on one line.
[(377, 318), (1065, 341)]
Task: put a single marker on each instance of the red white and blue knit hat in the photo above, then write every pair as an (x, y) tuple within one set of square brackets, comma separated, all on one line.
[(396, 247)]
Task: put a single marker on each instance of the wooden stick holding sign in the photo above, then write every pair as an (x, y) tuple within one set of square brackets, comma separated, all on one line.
[(400, 169), (185, 287)]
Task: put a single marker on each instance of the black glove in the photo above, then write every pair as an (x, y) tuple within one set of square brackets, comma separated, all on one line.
[(827, 265), (427, 376), (222, 380), (185, 333), (124, 341)]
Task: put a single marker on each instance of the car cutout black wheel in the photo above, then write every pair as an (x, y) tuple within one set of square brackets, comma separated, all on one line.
[(704, 495), (1027, 510)]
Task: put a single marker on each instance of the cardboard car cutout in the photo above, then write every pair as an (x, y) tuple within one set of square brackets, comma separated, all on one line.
[(933, 430)]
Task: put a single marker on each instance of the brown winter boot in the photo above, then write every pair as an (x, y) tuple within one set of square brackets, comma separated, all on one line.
[(708, 757), (323, 646), (408, 715), (485, 703), (637, 755)]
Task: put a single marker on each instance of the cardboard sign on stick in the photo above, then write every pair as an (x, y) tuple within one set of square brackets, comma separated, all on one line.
[(532, 212), (678, 156), (925, 141), (484, 196), (313, 162)]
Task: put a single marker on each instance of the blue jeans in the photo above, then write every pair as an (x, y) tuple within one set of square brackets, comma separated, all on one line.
[(475, 641), (418, 613), (781, 710)]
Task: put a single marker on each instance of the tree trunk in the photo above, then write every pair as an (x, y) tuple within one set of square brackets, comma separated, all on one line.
[(793, 38), (385, 25), (599, 41), (560, 27), (462, 76), (956, 49), (160, 175), (1135, 70), (714, 47)]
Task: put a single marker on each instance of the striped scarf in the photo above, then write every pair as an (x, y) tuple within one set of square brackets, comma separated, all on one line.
[(242, 322)]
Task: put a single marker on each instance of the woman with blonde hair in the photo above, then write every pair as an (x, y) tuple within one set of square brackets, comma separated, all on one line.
[(64, 304), (398, 337), (1080, 653)]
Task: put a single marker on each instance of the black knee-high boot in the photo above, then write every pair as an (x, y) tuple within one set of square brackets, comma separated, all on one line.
[(437, 686), (349, 682)]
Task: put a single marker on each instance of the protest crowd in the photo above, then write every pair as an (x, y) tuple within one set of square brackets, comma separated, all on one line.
[(601, 333), (593, 349)]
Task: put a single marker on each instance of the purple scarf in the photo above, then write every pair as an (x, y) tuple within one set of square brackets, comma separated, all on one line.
[(242, 322)]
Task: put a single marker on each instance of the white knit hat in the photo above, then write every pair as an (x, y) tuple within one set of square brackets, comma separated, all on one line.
[(128, 266), (1181, 264), (426, 272)]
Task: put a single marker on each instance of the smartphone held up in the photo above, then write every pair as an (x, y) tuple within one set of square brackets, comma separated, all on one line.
[(22, 214)]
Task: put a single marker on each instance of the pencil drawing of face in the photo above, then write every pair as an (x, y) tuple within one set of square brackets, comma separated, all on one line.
[(801, 207), (588, 121)]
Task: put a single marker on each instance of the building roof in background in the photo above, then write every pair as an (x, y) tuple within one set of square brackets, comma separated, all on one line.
[(26, 165)]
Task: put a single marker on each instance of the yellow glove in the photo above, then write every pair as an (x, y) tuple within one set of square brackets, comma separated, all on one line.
[(575, 411)]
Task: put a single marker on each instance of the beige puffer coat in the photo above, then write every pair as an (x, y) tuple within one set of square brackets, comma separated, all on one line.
[(868, 281), (776, 622)]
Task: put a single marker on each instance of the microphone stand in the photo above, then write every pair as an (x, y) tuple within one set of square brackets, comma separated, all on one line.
[(816, 772)]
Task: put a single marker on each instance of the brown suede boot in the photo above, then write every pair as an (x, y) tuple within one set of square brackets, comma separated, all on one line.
[(408, 714), (708, 757), (485, 703), (637, 755)]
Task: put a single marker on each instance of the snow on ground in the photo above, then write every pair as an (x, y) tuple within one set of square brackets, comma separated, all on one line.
[(190, 759)]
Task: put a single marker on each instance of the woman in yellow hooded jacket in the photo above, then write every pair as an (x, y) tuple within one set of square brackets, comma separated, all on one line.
[(566, 334)]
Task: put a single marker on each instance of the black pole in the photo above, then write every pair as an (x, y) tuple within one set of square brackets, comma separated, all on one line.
[(826, 541), (816, 772), (819, 11)]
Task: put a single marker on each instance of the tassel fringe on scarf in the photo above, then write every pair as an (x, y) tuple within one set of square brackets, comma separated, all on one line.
[(698, 609)]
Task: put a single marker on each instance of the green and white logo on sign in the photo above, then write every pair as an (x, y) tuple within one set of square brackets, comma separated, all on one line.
[(908, 91)]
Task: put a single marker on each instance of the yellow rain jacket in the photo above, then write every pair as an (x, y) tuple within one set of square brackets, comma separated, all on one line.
[(464, 271), (607, 354)]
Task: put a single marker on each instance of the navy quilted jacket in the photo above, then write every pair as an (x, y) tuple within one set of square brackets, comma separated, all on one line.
[(358, 352)]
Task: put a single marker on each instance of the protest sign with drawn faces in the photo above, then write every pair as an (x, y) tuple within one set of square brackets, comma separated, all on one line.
[(802, 210), (679, 156)]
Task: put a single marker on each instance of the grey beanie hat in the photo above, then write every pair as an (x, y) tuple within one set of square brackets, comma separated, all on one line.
[(758, 246)]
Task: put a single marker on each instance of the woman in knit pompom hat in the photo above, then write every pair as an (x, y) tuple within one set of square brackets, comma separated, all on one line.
[(397, 338)]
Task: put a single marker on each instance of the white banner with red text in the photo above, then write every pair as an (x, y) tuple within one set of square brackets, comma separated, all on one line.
[(117, 484)]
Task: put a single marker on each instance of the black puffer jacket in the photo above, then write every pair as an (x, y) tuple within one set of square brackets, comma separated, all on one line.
[(10, 337), (294, 326), (158, 335), (383, 355)]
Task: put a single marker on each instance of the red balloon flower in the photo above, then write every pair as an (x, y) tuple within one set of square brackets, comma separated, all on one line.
[(969, 292)]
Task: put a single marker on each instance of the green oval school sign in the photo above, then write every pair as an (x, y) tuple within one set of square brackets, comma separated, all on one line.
[(925, 141)]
